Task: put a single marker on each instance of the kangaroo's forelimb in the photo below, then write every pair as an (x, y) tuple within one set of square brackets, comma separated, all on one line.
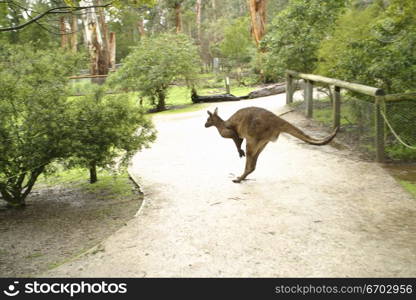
[(230, 133), (238, 141)]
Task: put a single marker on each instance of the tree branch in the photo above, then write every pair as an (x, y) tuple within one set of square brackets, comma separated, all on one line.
[(55, 10)]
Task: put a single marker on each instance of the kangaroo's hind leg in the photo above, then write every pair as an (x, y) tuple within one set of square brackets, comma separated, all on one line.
[(253, 150)]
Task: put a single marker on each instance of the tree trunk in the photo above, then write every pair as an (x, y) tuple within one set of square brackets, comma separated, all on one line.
[(161, 105), (95, 34), (74, 33), (198, 8), (93, 172), (15, 191), (258, 19), (178, 17), (11, 199), (112, 50), (214, 8), (63, 33), (104, 57), (140, 26)]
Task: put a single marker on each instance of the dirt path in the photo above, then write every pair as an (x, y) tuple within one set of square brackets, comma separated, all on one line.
[(306, 211)]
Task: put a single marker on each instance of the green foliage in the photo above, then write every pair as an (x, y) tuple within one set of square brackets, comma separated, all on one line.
[(39, 34), (375, 46), (116, 184), (107, 130), (400, 153), (118, 3), (237, 46), (295, 35), (39, 124), (155, 64), (351, 28), (34, 128)]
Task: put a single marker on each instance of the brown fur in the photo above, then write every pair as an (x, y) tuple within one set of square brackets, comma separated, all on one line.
[(258, 126)]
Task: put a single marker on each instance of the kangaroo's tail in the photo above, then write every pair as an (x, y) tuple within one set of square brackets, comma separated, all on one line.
[(296, 132)]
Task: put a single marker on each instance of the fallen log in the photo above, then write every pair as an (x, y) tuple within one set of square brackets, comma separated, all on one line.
[(213, 98), (270, 90)]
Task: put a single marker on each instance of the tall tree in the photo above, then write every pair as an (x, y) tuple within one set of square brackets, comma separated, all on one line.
[(95, 33), (177, 6), (258, 13), (74, 33), (63, 32), (198, 9), (140, 26)]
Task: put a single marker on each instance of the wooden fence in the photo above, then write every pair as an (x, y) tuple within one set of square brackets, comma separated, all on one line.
[(379, 99)]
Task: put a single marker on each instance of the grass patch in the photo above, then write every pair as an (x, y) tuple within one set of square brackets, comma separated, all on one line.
[(409, 186), (113, 185), (34, 255), (181, 96), (324, 114), (63, 176), (178, 95), (109, 184), (75, 254)]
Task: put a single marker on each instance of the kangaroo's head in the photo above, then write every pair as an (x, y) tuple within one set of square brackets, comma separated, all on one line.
[(213, 118)]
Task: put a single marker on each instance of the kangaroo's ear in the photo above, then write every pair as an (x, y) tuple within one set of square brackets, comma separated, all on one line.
[(216, 111), (209, 113)]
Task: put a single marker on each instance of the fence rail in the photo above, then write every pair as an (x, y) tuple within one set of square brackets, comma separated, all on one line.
[(379, 100), (359, 88), (400, 97)]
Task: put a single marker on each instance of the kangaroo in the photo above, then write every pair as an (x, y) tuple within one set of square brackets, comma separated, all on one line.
[(259, 127)]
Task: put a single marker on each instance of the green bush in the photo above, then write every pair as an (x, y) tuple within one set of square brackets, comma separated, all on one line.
[(295, 35), (237, 46), (34, 120), (107, 130), (155, 64), (374, 45)]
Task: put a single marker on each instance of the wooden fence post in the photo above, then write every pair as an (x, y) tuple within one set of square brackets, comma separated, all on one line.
[(337, 107), (309, 98), (289, 89), (379, 126), (227, 85)]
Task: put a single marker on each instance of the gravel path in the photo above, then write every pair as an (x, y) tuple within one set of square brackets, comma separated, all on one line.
[(306, 211)]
